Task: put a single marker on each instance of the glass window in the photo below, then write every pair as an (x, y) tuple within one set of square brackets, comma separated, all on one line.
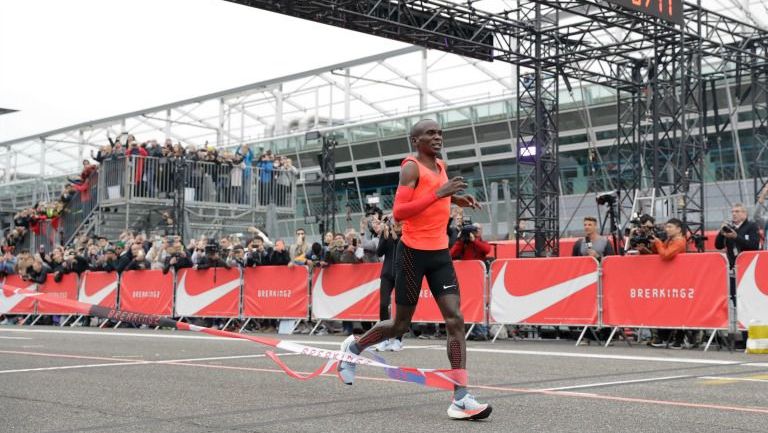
[(492, 132), (458, 137), (393, 163), (493, 111), (368, 166), (492, 150), (342, 154), (462, 154), (453, 118), (366, 150), (395, 146)]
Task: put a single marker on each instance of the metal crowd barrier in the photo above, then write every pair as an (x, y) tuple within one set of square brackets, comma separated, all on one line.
[(206, 183)]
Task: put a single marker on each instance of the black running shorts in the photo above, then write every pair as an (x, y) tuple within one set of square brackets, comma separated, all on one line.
[(412, 265)]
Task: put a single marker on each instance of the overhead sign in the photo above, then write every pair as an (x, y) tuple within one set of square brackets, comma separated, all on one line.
[(669, 10)]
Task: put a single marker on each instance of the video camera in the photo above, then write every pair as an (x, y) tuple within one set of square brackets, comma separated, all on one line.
[(467, 227), (211, 248), (643, 235)]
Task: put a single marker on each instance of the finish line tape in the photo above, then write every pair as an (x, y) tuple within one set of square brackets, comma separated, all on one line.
[(433, 378)]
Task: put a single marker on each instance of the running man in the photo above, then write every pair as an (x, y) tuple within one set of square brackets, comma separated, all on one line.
[(422, 202)]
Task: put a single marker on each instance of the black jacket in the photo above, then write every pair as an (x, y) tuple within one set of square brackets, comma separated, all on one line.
[(277, 258), (181, 263), (257, 258), (747, 239), (386, 249), (206, 263)]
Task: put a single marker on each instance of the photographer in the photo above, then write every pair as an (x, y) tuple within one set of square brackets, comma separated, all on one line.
[(237, 259), (371, 227), (640, 237), (279, 255), (176, 257), (736, 236), (316, 256), (298, 250), (668, 249), (674, 244), (72, 263), (390, 236), (211, 259), (470, 244), (336, 249), (258, 253), (592, 244)]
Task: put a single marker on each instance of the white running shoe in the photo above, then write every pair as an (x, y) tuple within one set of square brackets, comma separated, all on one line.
[(347, 369), (395, 345), (468, 408), (383, 346)]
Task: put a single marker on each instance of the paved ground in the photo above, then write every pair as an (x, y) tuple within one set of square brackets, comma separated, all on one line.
[(54, 380)]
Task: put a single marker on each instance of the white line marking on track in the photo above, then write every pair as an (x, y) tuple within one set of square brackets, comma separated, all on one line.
[(411, 346), (740, 379), (117, 364), (14, 338), (620, 382), (605, 356)]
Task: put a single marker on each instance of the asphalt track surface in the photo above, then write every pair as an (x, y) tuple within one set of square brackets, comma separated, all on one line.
[(90, 380)]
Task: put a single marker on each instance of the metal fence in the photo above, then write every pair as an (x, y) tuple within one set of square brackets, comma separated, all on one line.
[(150, 179), (79, 208)]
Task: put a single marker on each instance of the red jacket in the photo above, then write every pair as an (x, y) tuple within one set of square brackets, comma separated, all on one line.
[(668, 249), (139, 162), (475, 250)]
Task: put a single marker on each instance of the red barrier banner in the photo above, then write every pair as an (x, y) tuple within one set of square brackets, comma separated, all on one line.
[(547, 291), (346, 292), (11, 303), (752, 288), (689, 291), (147, 292), (64, 289), (471, 279), (98, 288), (213, 292), (276, 292), (508, 249)]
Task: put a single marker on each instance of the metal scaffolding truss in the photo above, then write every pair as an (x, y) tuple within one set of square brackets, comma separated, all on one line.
[(641, 56), (385, 85)]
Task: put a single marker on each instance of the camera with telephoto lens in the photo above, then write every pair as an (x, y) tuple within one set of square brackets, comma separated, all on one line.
[(466, 228), (644, 235), (729, 228)]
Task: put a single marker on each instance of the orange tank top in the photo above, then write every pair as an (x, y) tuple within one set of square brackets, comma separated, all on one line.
[(429, 229)]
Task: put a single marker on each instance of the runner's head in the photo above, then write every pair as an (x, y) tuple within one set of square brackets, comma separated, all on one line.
[(427, 137)]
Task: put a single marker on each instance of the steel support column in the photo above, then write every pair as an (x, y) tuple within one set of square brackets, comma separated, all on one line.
[(538, 209)]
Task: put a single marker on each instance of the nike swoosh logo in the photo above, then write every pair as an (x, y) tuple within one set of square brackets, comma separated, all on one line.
[(97, 297), (448, 287), (325, 306), (508, 308), (751, 303), (8, 303), (189, 305)]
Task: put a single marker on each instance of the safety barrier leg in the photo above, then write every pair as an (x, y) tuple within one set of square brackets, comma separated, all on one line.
[(610, 337), (35, 321), (470, 331), (317, 325), (498, 331), (581, 336), (64, 322), (77, 320), (711, 337), (247, 321)]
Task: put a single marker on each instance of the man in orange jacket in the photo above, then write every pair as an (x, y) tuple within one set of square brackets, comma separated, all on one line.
[(675, 243)]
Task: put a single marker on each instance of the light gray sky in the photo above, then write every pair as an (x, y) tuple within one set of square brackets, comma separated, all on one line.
[(64, 62)]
